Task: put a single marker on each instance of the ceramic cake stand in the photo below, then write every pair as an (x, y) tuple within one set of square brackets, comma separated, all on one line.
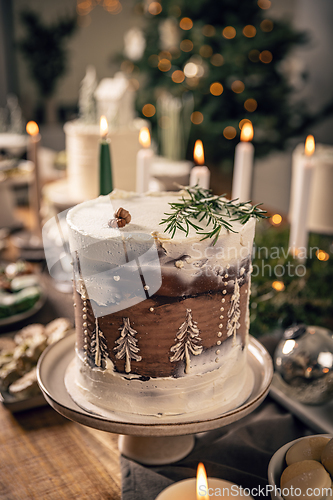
[(148, 440)]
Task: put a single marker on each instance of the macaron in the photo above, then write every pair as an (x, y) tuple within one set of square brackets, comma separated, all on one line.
[(309, 448), (306, 479), (327, 457)]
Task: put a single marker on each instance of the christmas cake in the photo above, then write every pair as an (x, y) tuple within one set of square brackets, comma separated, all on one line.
[(162, 315)]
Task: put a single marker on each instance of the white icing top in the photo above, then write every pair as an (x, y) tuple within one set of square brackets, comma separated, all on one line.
[(101, 248), (91, 217)]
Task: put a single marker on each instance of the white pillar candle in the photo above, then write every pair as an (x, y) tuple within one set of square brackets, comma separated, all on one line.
[(298, 238), (243, 165), (200, 174), (143, 161), (217, 488)]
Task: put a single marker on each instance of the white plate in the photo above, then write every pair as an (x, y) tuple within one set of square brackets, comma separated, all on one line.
[(52, 366), (318, 417)]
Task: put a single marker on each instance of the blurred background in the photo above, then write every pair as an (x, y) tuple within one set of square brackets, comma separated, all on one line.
[(279, 51)]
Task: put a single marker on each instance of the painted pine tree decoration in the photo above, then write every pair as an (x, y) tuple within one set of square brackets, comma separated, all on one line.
[(127, 345), (188, 341), (234, 312), (97, 351)]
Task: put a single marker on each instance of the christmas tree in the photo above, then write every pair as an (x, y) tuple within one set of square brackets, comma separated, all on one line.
[(234, 312), (127, 345), (187, 341), (97, 351), (228, 55)]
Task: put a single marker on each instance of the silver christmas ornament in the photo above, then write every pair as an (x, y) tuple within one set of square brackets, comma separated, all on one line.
[(303, 363)]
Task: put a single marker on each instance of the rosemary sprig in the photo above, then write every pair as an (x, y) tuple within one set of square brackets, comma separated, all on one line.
[(201, 204)]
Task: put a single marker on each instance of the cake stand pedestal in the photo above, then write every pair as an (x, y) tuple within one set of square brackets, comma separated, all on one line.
[(148, 440)]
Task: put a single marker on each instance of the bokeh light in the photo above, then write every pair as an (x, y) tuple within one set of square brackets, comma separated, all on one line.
[(217, 60), (164, 65), (229, 133), (237, 86), (186, 45), (249, 31), (322, 255), (254, 55), (278, 286), (197, 117), (266, 25), (266, 56), (264, 4), (276, 219), (154, 8), (208, 30), (148, 110), (250, 105), (229, 32), (206, 51), (216, 88), (186, 23), (178, 76)]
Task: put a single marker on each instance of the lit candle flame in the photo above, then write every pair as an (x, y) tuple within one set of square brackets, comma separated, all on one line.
[(202, 483), (309, 145), (198, 153), (32, 128), (104, 128), (144, 137), (247, 132)]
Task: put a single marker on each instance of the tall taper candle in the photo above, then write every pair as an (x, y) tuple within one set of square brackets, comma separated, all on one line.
[(143, 161), (298, 238), (35, 190), (243, 166), (105, 171)]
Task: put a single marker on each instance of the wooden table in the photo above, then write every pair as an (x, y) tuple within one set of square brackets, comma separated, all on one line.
[(47, 457), (43, 455)]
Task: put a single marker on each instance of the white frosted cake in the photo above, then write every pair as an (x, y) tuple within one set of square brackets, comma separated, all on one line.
[(162, 320)]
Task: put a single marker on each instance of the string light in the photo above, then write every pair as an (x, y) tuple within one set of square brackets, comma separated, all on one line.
[(229, 32), (229, 133), (206, 51), (276, 219), (197, 117), (278, 286), (237, 86), (154, 8), (164, 65), (186, 45), (217, 60), (216, 88), (148, 110), (266, 56), (178, 76), (242, 123), (264, 4), (250, 105), (321, 255), (208, 30), (186, 23), (266, 25), (84, 7), (249, 31), (254, 55)]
